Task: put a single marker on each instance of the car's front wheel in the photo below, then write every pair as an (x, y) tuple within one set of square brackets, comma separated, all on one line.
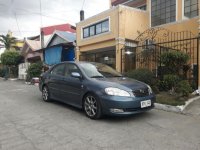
[(92, 106), (45, 94)]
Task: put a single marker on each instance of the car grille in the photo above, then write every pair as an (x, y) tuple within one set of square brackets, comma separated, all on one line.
[(138, 109), (141, 92)]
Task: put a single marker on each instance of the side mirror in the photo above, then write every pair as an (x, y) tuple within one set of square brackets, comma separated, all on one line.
[(76, 75)]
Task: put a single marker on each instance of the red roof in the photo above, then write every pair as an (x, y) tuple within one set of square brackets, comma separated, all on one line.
[(63, 27)]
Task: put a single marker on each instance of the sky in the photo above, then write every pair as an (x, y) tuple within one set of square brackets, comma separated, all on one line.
[(25, 17)]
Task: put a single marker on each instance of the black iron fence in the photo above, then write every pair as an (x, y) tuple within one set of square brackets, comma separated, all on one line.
[(148, 55)]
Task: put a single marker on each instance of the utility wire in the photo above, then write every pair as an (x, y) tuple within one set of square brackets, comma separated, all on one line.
[(40, 12), (83, 4), (17, 24)]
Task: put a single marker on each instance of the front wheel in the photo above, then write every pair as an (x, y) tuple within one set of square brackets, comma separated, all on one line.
[(92, 107), (45, 94)]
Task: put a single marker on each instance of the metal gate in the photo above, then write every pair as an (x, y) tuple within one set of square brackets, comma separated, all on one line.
[(152, 43)]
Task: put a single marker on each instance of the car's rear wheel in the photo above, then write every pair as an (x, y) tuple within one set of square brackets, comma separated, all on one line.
[(92, 107), (45, 94)]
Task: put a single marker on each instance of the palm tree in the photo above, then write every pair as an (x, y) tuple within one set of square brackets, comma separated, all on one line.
[(8, 41)]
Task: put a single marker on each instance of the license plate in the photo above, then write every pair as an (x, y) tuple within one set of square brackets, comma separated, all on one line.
[(146, 103)]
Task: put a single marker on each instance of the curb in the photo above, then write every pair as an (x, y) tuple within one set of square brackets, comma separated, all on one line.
[(176, 109), (12, 79), (9, 79)]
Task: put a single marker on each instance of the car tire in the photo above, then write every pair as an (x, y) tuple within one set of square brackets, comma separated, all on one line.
[(45, 94), (92, 106)]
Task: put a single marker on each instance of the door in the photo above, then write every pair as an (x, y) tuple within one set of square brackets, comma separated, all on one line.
[(55, 82), (72, 86)]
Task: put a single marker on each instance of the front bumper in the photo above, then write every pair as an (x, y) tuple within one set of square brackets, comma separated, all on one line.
[(129, 105)]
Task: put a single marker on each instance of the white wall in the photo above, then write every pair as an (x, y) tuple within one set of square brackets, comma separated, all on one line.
[(22, 70)]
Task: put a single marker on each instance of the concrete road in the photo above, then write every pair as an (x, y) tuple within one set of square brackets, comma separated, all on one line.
[(193, 108), (26, 122)]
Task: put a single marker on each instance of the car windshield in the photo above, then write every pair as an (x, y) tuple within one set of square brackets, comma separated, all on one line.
[(98, 70)]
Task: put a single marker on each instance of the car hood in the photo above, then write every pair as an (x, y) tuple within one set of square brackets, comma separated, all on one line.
[(122, 82)]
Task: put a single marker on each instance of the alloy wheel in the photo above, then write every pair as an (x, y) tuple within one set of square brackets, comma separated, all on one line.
[(92, 107), (45, 94)]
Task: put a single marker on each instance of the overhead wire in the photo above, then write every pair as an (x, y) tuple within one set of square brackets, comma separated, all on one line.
[(17, 24), (40, 13), (83, 4)]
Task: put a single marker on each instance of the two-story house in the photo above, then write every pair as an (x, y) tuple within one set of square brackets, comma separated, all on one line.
[(134, 33)]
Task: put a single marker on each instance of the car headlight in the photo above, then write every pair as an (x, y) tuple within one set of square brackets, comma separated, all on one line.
[(150, 89), (116, 92)]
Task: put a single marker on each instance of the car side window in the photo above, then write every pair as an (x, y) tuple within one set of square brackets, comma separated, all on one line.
[(58, 70), (71, 68)]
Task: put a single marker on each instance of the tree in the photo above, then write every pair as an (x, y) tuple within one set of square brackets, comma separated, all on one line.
[(34, 70), (176, 66), (11, 59), (8, 41), (174, 61)]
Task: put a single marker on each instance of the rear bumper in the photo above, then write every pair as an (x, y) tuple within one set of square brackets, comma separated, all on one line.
[(126, 105)]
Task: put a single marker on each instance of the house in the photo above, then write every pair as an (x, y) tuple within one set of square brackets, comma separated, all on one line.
[(139, 4), (127, 37), (60, 47), (19, 44), (46, 32), (31, 51)]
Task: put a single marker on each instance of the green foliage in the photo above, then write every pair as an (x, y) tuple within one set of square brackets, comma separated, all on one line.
[(10, 58), (174, 61), (34, 70), (184, 88), (8, 41), (170, 81), (2, 72), (141, 74)]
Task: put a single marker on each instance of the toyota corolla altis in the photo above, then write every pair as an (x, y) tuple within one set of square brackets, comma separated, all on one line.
[(96, 88)]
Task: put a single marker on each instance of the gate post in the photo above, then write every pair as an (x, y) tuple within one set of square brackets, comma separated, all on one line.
[(198, 62), (77, 53)]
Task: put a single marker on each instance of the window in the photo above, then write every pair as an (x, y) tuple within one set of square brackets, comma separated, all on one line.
[(71, 68), (58, 70), (92, 32), (144, 7), (85, 32), (162, 12), (98, 28), (95, 29), (191, 8), (105, 26)]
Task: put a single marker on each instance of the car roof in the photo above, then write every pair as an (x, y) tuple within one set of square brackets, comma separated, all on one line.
[(78, 62)]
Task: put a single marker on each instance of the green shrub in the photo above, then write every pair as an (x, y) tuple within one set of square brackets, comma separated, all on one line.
[(2, 72), (34, 70), (174, 61), (143, 75), (170, 81), (184, 88)]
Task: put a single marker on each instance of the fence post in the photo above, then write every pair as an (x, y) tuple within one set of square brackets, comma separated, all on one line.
[(198, 67)]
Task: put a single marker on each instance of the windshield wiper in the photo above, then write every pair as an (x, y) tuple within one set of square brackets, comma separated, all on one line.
[(97, 77), (114, 76), (118, 76)]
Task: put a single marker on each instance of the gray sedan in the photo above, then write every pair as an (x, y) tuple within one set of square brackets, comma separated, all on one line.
[(96, 88)]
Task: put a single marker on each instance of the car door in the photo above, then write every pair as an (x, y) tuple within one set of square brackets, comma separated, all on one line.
[(72, 86), (55, 82)]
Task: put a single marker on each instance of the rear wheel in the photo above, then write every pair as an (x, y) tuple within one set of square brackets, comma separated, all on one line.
[(92, 107), (45, 94)]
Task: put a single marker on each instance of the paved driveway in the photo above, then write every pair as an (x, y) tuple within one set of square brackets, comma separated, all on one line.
[(26, 122)]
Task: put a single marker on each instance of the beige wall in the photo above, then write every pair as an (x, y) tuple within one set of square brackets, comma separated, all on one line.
[(113, 17), (132, 21), (125, 22)]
